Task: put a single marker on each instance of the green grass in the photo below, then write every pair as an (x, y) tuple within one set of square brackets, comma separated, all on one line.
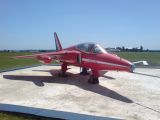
[(153, 58), (6, 60), (9, 116), (20, 116)]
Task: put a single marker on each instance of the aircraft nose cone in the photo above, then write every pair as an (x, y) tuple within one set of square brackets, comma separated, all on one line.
[(128, 64), (125, 62)]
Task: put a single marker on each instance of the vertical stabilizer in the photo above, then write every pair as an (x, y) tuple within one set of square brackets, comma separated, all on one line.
[(57, 42)]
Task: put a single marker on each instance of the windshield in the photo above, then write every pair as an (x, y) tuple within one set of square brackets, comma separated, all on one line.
[(99, 49), (91, 47), (86, 47)]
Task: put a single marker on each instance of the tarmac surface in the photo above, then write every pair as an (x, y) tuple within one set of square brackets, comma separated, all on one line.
[(120, 95)]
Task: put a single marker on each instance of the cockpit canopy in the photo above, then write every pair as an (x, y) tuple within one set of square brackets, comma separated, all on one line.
[(91, 47)]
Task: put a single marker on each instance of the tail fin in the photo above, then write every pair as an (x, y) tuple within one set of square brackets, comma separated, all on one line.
[(57, 42)]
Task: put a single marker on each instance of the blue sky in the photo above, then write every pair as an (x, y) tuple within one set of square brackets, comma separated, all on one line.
[(30, 24)]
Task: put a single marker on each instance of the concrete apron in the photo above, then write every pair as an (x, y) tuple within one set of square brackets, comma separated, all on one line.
[(120, 95)]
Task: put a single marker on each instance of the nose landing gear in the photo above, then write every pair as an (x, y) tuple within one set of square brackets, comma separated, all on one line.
[(94, 77), (93, 80), (63, 70)]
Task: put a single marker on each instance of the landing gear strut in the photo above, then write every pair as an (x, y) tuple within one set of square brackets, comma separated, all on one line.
[(63, 70), (94, 77), (93, 80)]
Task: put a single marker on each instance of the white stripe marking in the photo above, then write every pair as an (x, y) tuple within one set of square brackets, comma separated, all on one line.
[(101, 62)]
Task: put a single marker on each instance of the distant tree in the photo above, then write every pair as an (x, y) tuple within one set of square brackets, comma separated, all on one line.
[(135, 49), (141, 48), (42, 50), (5, 50), (123, 48), (119, 48)]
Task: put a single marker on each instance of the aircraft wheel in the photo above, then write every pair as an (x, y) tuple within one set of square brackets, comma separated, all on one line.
[(96, 81), (93, 80), (62, 75)]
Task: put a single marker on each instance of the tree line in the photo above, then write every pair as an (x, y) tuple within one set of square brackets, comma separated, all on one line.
[(134, 49)]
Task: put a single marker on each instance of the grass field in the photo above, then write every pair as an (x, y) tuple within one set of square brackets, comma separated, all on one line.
[(11, 116), (7, 62), (153, 58), (19, 116)]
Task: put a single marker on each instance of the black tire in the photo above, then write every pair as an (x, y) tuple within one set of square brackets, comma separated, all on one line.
[(93, 80), (96, 81), (62, 75)]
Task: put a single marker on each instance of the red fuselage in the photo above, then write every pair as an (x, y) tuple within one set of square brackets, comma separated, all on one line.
[(99, 60)]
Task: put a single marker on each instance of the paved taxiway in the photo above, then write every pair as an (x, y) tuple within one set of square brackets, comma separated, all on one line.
[(122, 95)]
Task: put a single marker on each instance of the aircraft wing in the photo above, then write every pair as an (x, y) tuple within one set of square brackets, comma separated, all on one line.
[(66, 56), (42, 54)]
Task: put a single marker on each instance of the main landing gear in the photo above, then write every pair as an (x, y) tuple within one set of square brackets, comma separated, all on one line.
[(62, 74), (63, 70), (94, 77), (93, 80)]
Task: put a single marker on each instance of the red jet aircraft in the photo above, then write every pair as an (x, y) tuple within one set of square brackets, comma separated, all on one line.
[(87, 56)]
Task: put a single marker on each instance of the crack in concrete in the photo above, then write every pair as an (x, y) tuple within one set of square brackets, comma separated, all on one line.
[(147, 107)]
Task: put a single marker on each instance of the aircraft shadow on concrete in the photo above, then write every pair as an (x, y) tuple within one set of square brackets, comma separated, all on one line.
[(72, 79), (53, 73), (62, 115), (108, 77)]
